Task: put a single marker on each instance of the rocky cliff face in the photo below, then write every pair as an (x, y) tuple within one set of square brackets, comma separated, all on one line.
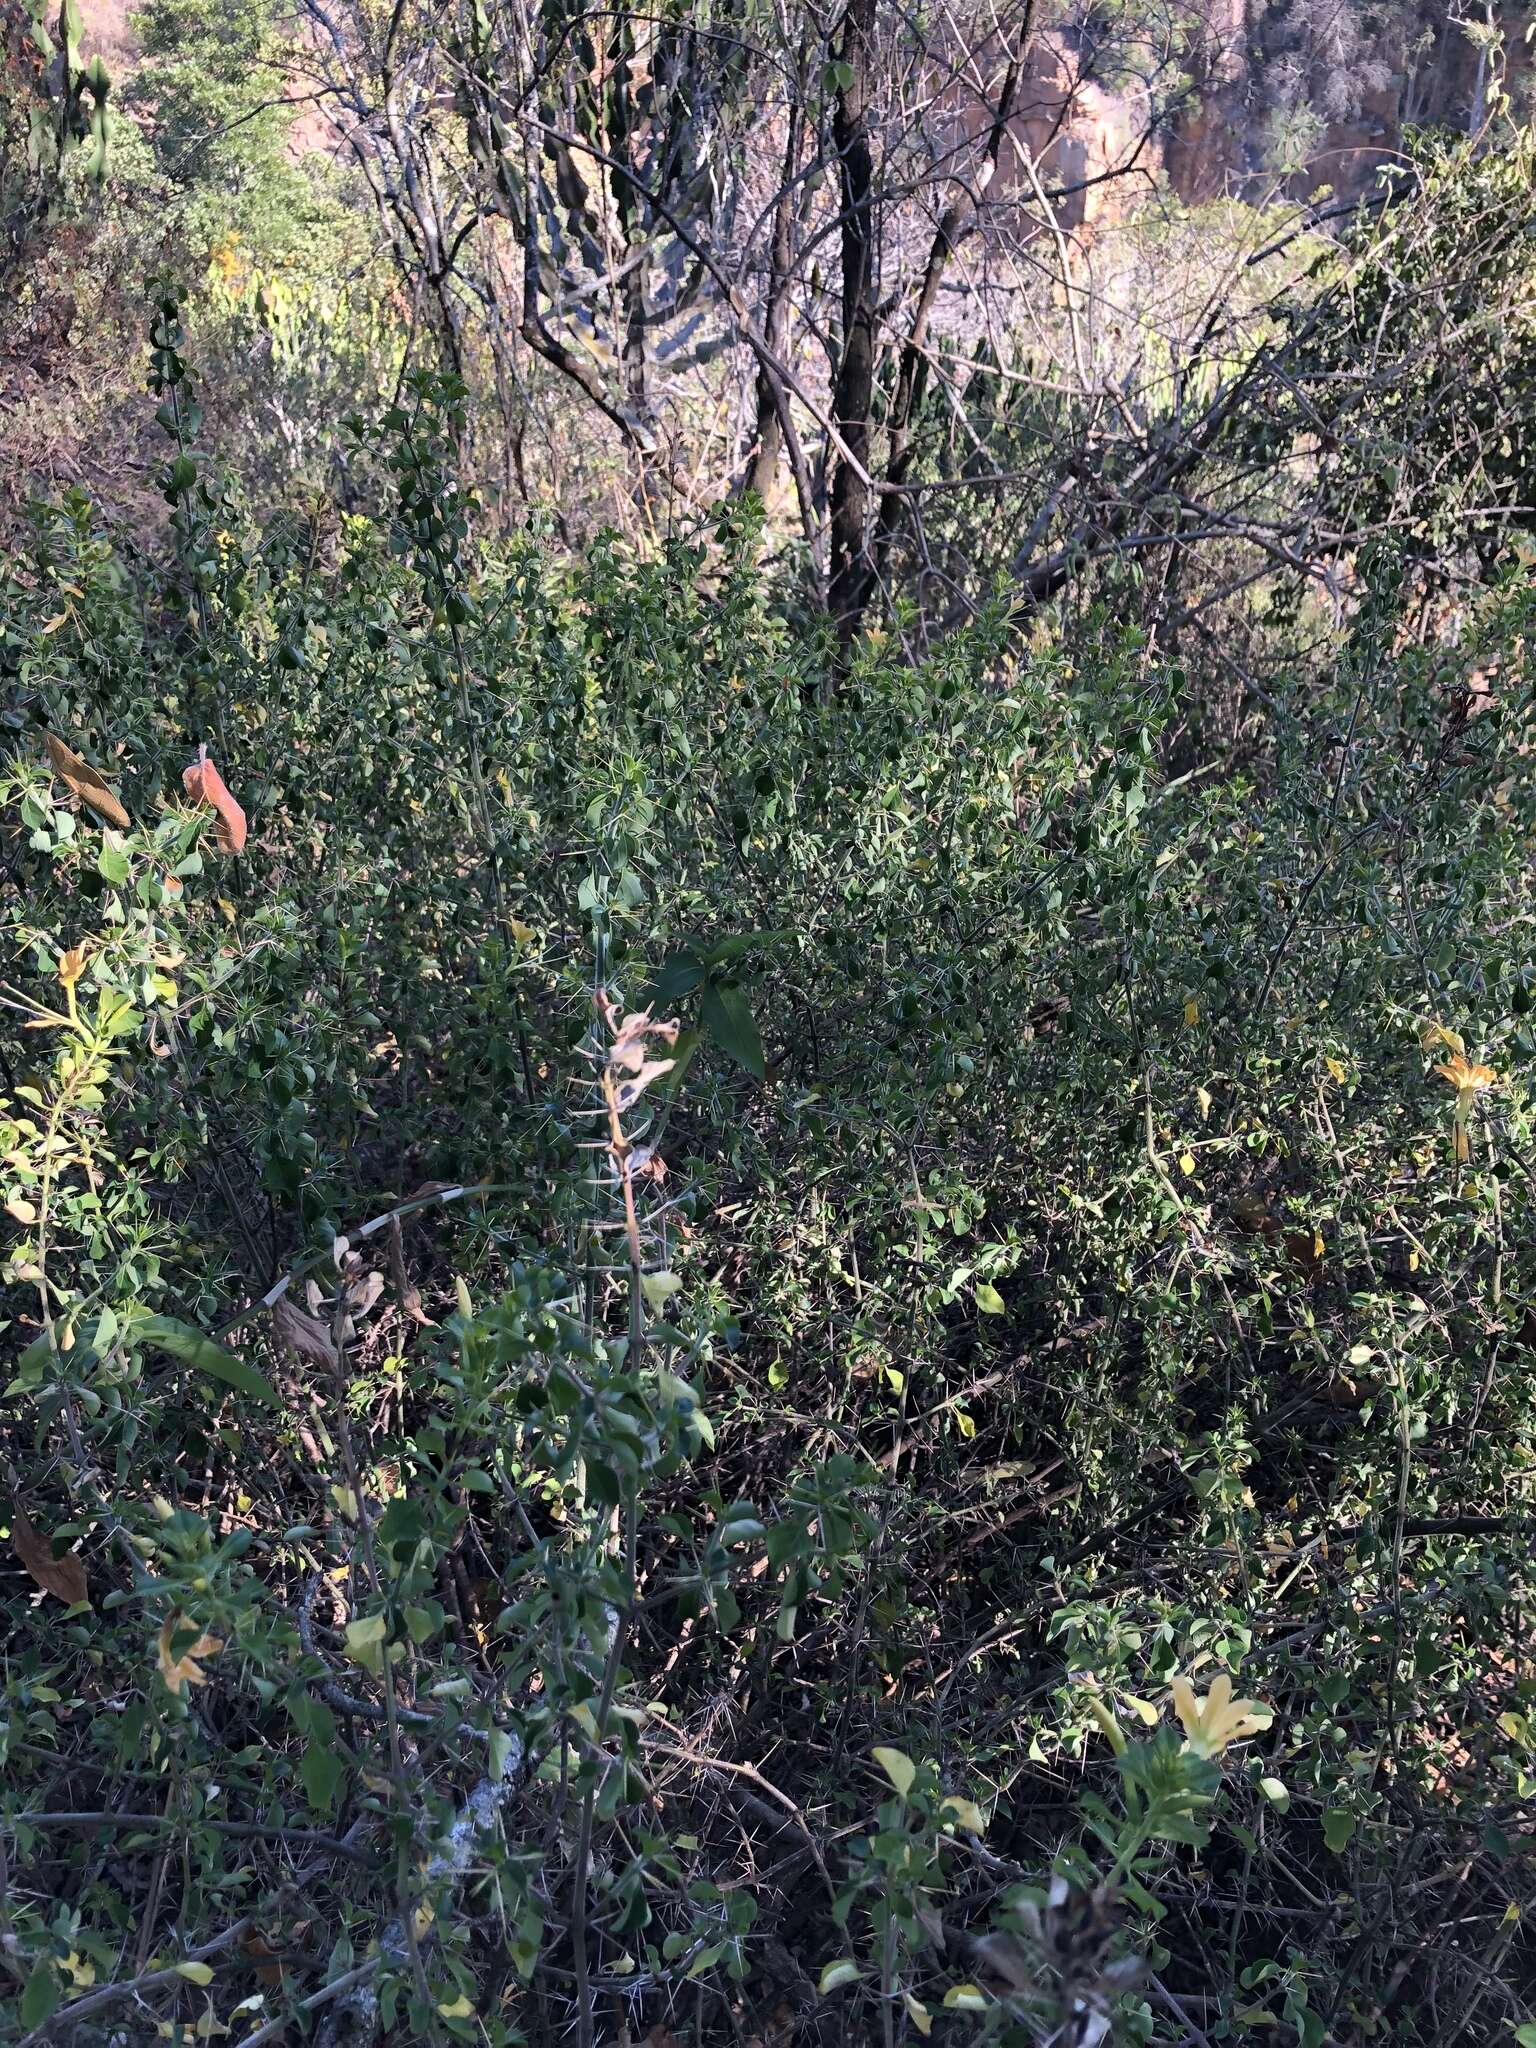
[(1278, 98), (1315, 96)]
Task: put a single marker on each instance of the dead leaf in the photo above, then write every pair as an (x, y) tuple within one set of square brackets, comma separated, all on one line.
[(1251, 1213), (261, 1953), (363, 1292), (628, 1093), (184, 1670), (1305, 1248), (632, 1033), (305, 1336), (82, 779), (205, 785), (63, 1577)]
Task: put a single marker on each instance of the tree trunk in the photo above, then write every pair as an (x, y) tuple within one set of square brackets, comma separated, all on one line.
[(853, 395)]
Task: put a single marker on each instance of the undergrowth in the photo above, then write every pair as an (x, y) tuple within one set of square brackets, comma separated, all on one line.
[(678, 1313)]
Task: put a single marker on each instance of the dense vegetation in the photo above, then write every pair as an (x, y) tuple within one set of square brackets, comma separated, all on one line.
[(735, 1315)]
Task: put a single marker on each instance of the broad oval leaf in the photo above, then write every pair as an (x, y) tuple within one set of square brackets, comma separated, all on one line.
[(898, 1767), (836, 1974), (729, 1021)]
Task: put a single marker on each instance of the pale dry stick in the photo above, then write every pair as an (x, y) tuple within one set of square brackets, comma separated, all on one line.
[(618, 1096)]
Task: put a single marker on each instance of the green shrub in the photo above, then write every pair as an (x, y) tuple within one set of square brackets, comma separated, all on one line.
[(576, 1519)]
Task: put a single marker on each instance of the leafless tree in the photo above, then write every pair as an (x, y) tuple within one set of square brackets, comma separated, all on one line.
[(924, 270)]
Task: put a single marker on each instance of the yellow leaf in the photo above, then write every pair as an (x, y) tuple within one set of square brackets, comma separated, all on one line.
[(19, 1207), (966, 1424), (185, 1670), (898, 1767), (843, 1971), (227, 907), (1203, 1098), (71, 965), (659, 1288), (965, 1998), (460, 2009), (1432, 1036), (922, 2019), (523, 933), (78, 1970), (1337, 1068), (195, 1973), (966, 1814), (1191, 1012), (1186, 1163)]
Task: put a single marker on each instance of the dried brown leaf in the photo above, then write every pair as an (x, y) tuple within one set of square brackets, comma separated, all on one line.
[(63, 1577), (628, 1093), (364, 1291), (262, 1954), (81, 778), (305, 1336), (205, 785)]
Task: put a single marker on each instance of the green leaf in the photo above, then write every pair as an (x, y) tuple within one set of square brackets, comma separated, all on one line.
[(898, 1767), (988, 1300), (40, 2000), (678, 975), (1338, 1827), (1275, 1793), (727, 950), (365, 1642), (320, 1774), (180, 1340), (1526, 2035), (112, 864), (730, 1023)]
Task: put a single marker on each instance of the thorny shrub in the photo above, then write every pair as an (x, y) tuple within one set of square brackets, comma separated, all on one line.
[(677, 1323)]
